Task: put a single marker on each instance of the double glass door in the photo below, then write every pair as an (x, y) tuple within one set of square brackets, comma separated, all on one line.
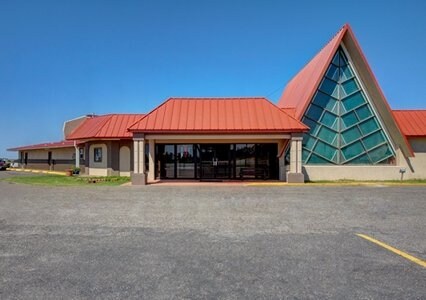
[(216, 161)]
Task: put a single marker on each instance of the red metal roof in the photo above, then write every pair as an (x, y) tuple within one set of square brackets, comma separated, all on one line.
[(220, 115), (411, 122), (52, 145), (106, 126), (300, 90)]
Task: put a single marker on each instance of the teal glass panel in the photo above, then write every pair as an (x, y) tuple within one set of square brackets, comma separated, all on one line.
[(343, 59), (362, 160), (325, 101), (346, 73), (333, 72), (308, 141), (314, 112), (325, 150), (336, 59), (351, 135), (363, 112), (328, 119), (343, 126), (340, 109), (352, 150), (350, 86), (353, 101), (342, 92), (327, 135), (329, 87), (369, 126), (349, 119), (314, 159), (373, 140), (380, 153), (305, 155), (312, 125)]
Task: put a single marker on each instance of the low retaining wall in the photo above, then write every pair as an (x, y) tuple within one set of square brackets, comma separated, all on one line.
[(315, 173)]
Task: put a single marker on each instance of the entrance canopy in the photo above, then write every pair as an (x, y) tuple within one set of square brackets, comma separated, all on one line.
[(217, 115)]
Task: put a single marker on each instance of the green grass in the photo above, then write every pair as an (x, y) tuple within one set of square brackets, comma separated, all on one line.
[(59, 180)]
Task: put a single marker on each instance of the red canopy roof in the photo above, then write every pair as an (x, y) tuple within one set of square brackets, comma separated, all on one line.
[(411, 122), (218, 115), (106, 126), (52, 145)]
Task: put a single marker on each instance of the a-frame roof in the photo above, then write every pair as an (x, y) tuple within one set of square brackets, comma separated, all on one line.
[(300, 90), (218, 115)]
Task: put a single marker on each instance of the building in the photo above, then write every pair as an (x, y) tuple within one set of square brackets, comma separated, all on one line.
[(331, 122)]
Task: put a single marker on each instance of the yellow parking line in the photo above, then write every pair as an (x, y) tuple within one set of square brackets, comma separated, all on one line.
[(394, 250)]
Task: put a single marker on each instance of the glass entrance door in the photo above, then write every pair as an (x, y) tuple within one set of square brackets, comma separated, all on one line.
[(215, 161)]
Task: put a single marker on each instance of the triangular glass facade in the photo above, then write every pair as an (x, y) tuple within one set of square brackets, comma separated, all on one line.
[(343, 126)]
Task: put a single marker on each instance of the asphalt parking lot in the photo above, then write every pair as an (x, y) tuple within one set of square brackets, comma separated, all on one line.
[(210, 242)]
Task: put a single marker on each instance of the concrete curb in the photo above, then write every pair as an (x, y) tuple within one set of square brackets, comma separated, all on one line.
[(37, 171)]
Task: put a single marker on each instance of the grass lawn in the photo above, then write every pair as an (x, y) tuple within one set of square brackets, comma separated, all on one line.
[(59, 180)]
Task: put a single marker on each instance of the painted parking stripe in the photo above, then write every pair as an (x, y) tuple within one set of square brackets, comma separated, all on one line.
[(394, 250)]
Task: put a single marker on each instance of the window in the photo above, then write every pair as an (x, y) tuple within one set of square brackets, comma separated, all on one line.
[(81, 151), (97, 154), (343, 126)]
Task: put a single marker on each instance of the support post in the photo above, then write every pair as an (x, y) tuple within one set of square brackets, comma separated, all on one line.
[(281, 160), (151, 171), (138, 175), (77, 155), (295, 175)]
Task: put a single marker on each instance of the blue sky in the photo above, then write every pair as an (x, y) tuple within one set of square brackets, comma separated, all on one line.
[(63, 59)]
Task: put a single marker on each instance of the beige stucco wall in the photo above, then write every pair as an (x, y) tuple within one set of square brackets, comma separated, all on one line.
[(415, 167), (61, 153), (98, 168), (124, 161), (41, 156)]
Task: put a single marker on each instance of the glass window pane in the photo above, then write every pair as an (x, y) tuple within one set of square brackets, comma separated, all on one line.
[(325, 101), (328, 119), (325, 150), (351, 135), (364, 112), (314, 159), (314, 112), (374, 140), (305, 155), (314, 127), (185, 161), (350, 86), (353, 101), (352, 150), (363, 159), (343, 59), (349, 119), (369, 126), (329, 87), (308, 141), (336, 59), (327, 135), (346, 72), (333, 72), (380, 153)]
